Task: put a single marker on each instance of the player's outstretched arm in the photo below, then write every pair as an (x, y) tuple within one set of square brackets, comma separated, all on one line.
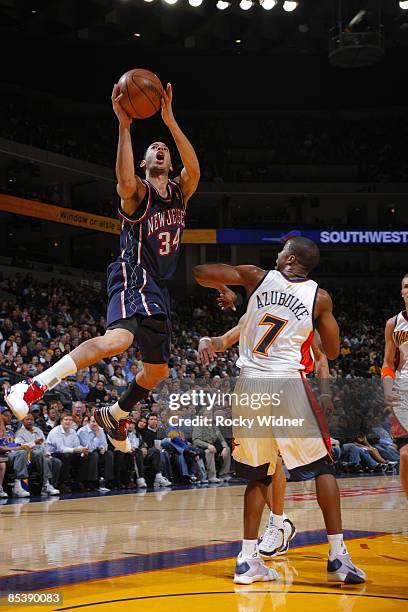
[(218, 276), (207, 347), (129, 186), (190, 174), (326, 324), (388, 367)]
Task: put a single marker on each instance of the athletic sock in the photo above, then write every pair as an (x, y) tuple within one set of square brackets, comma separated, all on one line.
[(117, 412), (337, 546), (17, 482), (276, 520), (53, 375), (133, 394), (248, 547)]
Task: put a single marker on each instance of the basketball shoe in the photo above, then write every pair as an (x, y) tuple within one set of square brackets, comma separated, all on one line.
[(275, 541), (115, 430), (22, 395), (252, 569), (342, 569)]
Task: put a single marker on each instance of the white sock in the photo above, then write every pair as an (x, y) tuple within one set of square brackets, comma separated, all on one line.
[(337, 546), (276, 520), (17, 482), (248, 547), (53, 376), (117, 412)]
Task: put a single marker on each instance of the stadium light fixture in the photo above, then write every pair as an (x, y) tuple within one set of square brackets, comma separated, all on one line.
[(268, 4), (404, 5), (245, 5), (148, 0), (195, 3), (170, 1), (289, 6), (222, 5)]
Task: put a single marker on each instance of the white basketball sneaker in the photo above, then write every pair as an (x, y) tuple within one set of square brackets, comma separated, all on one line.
[(342, 569), (252, 569), (22, 395), (271, 542)]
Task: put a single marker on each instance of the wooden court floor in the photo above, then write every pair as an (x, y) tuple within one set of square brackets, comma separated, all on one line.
[(174, 550)]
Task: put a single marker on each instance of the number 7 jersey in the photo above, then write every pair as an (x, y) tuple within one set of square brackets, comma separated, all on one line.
[(277, 332)]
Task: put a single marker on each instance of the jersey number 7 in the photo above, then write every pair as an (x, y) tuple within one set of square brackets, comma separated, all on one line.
[(275, 327)]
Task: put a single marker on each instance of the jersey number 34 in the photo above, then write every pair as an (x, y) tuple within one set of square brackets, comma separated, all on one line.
[(275, 327), (168, 243)]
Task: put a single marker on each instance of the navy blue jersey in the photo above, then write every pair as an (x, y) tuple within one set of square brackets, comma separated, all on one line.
[(150, 243)]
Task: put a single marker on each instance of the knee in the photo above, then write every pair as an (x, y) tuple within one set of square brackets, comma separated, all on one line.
[(153, 374)]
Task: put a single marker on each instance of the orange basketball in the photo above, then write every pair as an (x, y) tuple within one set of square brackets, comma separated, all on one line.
[(142, 92)]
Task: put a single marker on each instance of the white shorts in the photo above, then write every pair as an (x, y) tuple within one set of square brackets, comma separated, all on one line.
[(300, 436)]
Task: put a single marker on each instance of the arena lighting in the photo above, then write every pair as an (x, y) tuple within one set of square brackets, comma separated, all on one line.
[(195, 2), (222, 5), (245, 5), (289, 6), (170, 1), (404, 4), (268, 4)]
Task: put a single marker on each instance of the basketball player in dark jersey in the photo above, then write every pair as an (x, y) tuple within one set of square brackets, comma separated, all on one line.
[(152, 212)]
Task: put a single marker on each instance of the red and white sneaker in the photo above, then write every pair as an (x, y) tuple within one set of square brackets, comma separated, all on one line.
[(115, 430), (22, 395)]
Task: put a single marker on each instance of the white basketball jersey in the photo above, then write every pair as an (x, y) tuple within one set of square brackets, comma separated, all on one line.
[(401, 342), (277, 332)]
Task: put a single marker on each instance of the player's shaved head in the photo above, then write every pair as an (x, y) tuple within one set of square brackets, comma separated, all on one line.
[(305, 251)]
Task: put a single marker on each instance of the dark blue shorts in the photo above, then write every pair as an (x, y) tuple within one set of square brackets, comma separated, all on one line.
[(140, 304)]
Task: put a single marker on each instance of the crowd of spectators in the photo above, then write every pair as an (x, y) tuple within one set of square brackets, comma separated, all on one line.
[(230, 148), (44, 321)]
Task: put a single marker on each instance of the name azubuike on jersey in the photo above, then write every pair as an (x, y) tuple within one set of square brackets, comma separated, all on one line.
[(280, 298)]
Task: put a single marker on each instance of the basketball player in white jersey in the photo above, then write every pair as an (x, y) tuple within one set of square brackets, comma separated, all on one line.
[(394, 376), (280, 530), (284, 307)]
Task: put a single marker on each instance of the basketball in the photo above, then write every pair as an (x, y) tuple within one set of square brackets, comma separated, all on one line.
[(142, 91)]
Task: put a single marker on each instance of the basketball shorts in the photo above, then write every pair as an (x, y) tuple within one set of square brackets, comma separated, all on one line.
[(303, 440), (152, 335)]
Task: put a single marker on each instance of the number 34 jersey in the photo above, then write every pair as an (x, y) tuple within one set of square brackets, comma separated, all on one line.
[(277, 331), (150, 243)]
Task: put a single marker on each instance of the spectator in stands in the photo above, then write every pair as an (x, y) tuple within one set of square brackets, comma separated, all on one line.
[(32, 438), (98, 394), (93, 437), (63, 443), (147, 428), (81, 386), (15, 453), (214, 444)]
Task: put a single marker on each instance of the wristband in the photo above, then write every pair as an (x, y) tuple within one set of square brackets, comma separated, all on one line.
[(325, 395), (387, 372), (205, 338)]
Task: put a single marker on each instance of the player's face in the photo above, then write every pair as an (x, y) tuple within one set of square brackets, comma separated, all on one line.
[(282, 258), (404, 289), (157, 159)]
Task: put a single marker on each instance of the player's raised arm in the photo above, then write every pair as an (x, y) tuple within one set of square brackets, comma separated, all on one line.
[(190, 174), (218, 276), (326, 324), (388, 367), (129, 186)]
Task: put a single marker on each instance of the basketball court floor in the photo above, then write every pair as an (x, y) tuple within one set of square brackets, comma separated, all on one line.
[(175, 550)]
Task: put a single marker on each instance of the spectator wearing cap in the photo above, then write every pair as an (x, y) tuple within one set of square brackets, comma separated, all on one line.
[(93, 437), (68, 392), (15, 454), (49, 467), (111, 367), (214, 444)]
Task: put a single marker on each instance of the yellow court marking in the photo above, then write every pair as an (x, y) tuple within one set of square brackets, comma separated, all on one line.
[(302, 584)]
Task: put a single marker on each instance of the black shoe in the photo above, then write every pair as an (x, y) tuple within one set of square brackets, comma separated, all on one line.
[(115, 430)]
